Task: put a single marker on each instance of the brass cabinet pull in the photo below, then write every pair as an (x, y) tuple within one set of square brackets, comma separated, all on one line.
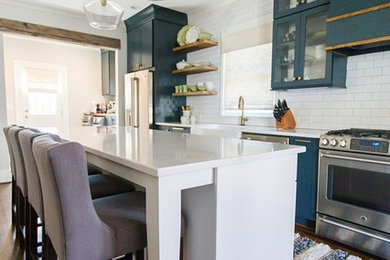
[(303, 2), (302, 141), (293, 79), (178, 128), (299, 78), (297, 3)]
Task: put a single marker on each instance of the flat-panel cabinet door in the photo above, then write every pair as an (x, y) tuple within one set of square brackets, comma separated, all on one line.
[(287, 7), (111, 73), (285, 51), (316, 65), (133, 49), (146, 45), (306, 180), (105, 73)]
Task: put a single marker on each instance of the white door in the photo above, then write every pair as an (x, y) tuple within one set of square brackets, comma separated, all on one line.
[(40, 94)]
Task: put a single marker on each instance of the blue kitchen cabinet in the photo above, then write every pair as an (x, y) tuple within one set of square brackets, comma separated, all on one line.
[(299, 58), (288, 7), (140, 47), (151, 35), (357, 27), (306, 181)]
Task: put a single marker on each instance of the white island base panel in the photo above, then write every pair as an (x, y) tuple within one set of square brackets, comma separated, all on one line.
[(248, 213), (238, 211)]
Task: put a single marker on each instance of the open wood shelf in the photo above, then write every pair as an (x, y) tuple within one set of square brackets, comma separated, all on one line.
[(195, 70), (196, 93), (199, 45)]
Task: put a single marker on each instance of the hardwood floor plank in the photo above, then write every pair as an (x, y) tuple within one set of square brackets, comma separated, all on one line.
[(9, 246)]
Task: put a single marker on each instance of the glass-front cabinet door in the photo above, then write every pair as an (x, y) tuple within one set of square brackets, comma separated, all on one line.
[(316, 62), (285, 50), (299, 57), (287, 7)]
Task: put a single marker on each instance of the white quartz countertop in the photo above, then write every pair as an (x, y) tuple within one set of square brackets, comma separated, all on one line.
[(160, 153), (299, 132)]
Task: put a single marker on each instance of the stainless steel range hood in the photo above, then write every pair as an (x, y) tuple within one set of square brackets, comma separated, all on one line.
[(358, 26)]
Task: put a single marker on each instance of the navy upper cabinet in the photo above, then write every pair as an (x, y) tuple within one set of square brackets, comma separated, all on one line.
[(288, 7), (306, 180), (299, 56), (151, 35), (358, 26), (140, 47)]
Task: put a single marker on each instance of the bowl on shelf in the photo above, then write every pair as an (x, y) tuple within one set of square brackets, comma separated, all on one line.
[(202, 88), (182, 65), (204, 36)]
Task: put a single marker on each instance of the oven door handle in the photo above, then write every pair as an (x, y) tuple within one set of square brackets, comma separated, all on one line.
[(354, 159), (355, 230)]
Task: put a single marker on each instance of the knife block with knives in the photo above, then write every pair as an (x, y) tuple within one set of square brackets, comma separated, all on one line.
[(283, 115)]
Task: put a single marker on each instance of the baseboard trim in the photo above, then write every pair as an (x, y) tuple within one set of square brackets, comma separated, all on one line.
[(5, 176)]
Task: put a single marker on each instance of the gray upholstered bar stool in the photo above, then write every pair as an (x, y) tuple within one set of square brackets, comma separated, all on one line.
[(13, 183), (78, 227), (100, 186), (21, 186)]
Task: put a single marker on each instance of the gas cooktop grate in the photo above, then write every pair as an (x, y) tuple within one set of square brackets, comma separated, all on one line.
[(357, 132)]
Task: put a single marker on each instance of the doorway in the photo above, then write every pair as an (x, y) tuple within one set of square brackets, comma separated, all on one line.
[(40, 94)]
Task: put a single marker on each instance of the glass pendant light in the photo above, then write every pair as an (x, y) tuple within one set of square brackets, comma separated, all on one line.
[(103, 14)]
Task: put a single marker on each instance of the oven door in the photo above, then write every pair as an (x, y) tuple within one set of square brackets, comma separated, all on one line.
[(355, 187)]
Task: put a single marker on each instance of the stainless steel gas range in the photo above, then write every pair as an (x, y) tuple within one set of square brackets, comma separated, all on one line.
[(353, 201)]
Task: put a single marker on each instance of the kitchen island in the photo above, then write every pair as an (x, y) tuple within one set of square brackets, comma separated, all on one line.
[(237, 196)]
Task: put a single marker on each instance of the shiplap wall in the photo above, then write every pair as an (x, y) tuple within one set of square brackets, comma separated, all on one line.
[(365, 103)]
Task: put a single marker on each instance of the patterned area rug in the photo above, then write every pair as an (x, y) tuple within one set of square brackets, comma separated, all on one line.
[(307, 249)]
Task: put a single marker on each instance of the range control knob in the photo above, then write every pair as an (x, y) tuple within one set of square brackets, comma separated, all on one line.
[(324, 141), (343, 143), (333, 142)]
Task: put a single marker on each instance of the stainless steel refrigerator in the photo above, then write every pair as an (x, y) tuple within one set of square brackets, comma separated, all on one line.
[(139, 99)]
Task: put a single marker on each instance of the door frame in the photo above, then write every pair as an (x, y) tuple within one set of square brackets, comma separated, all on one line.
[(19, 65)]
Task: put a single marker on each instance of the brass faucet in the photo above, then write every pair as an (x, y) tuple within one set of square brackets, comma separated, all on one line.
[(241, 104)]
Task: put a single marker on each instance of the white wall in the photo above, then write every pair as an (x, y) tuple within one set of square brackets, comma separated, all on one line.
[(5, 174), (34, 13), (365, 103), (83, 66)]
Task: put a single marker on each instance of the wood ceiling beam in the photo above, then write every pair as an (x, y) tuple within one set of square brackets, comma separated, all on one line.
[(12, 26)]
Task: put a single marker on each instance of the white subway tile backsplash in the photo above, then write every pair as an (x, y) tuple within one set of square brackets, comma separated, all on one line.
[(382, 62), (373, 72), (364, 64), (365, 103)]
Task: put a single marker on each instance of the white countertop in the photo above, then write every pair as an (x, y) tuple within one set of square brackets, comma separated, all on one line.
[(311, 133), (160, 153)]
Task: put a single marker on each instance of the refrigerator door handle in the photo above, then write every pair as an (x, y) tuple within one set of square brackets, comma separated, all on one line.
[(135, 101)]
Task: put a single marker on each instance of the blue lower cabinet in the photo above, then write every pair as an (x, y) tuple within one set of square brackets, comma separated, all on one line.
[(306, 180)]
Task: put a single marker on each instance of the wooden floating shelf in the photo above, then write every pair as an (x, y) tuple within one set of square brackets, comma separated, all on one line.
[(199, 45), (196, 93), (195, 70)]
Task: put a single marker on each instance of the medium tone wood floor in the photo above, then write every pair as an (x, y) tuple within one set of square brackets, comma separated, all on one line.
[(10, 249), (9, 246)]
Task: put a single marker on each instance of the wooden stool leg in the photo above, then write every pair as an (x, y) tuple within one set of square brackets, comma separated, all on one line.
[(32, 234), (48, 250), (139, 255), (13, 201), (19, 217)]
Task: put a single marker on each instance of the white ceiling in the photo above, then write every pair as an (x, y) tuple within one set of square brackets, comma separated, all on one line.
[(131, 6)]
